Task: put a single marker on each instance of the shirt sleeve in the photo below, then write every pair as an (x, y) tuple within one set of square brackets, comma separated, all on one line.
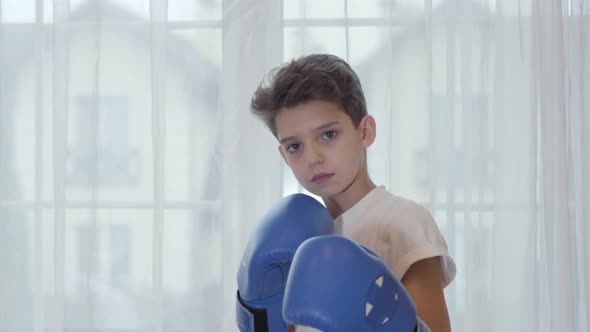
[(414, 237)]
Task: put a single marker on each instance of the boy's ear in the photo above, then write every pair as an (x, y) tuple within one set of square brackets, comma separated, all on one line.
[(368, 130), (283, 154)]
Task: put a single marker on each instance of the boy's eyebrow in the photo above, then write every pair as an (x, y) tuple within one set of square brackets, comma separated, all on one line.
[(324, 126)]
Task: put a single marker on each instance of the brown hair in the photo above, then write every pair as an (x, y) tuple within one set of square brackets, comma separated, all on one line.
[(314, 77)]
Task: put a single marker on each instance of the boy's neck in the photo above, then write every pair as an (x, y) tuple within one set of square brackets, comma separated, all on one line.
[(342, 202)]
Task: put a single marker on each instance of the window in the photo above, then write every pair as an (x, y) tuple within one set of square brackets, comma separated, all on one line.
[(111, 185)]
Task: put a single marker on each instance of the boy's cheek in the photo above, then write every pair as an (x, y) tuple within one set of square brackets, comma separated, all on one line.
[(292, 161)]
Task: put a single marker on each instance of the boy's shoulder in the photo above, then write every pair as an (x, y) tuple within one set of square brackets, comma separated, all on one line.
[(381, 205), (387, 200)]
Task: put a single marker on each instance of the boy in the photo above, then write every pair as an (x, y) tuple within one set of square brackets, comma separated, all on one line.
[(316, 109)]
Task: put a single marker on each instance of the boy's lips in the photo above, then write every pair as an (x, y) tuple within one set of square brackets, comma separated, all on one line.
[(321, 178)]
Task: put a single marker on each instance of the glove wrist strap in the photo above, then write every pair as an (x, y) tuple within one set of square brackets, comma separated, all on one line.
[(250, 319)]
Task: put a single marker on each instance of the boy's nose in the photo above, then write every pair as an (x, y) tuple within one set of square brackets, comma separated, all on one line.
[(314, 155)]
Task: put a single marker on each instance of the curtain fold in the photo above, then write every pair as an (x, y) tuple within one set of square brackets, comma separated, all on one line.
[(55, 312), (132, 172), (158, 51)]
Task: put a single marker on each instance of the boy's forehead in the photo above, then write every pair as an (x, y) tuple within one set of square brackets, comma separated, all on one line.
[(308, 117)]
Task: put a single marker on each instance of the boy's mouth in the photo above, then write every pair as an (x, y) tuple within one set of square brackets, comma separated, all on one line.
[(321, 178)]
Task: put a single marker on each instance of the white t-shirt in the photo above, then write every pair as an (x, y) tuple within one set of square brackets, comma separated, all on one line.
[(399, 230)]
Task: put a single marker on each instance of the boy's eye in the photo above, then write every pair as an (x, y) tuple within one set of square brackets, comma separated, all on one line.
[(328, 135), (293, 147)]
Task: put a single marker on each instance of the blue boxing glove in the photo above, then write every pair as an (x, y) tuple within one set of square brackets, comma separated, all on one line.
[(263, 272), (338, 285)]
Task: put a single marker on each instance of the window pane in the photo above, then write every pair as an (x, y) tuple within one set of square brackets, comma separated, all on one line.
[(100, 152), (364, 8), (108, 268), (110, 115), (368, 42), (48, 11), (193, 133), (17, 11), (16, 266), (298, 9), (184, 10), (18, 103), (125, 10), (299, 41), (192, 269), (380, 8)]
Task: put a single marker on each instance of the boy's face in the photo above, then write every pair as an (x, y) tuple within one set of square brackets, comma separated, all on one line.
[(321, 146)]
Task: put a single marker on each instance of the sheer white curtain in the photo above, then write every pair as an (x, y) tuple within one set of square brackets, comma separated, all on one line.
[(131, 171)]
